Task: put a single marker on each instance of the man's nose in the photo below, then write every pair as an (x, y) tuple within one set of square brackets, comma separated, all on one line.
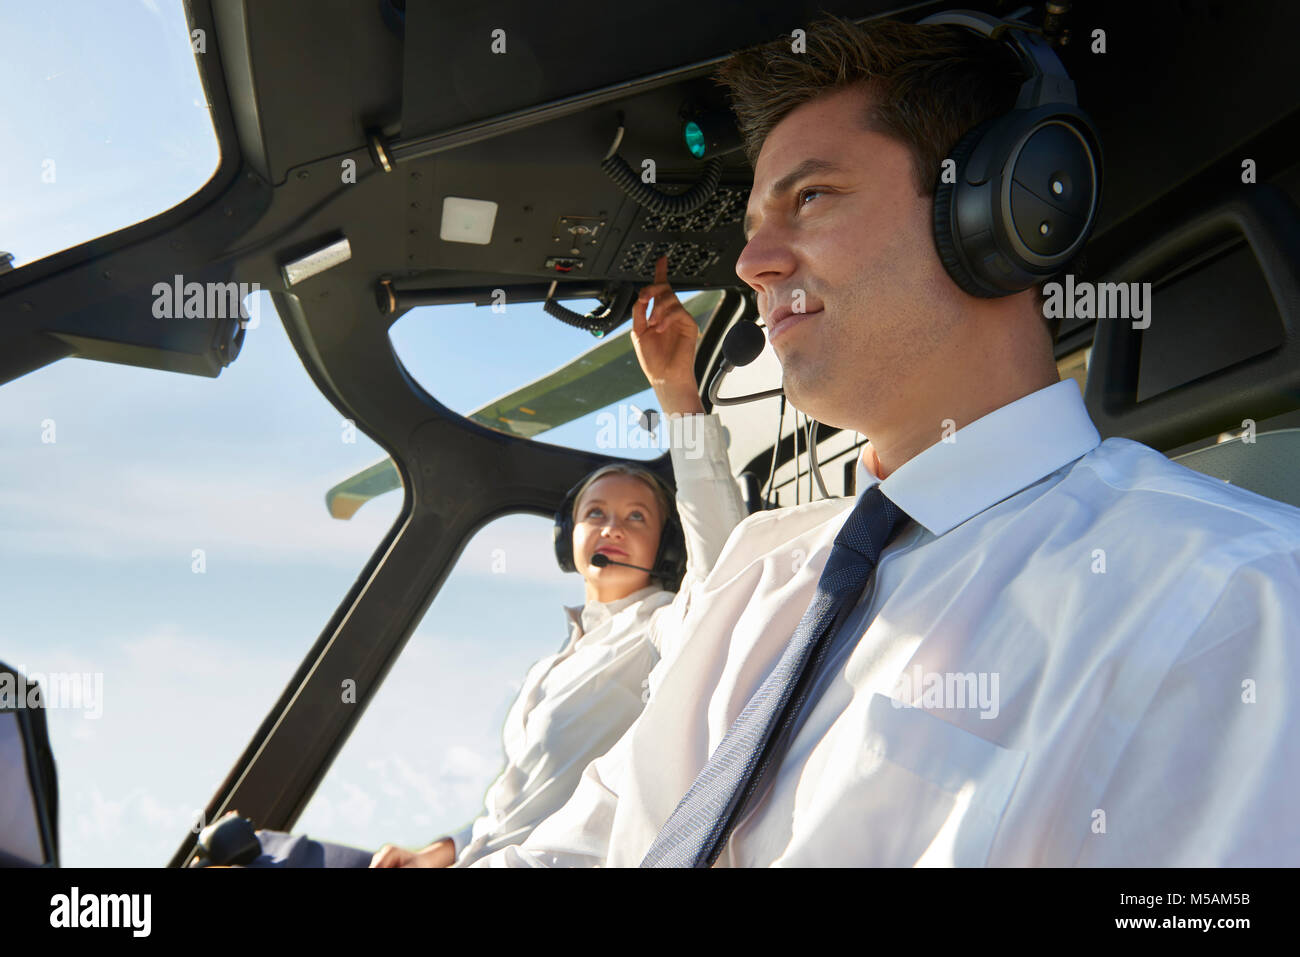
[(765, 260)]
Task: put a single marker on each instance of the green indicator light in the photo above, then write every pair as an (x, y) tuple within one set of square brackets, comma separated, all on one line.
[(695, 139)]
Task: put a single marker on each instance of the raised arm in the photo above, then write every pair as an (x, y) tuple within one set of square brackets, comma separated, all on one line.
[(708, 499)]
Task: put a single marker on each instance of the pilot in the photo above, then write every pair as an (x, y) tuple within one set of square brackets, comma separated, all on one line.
[(576, 703), (1020, 645)]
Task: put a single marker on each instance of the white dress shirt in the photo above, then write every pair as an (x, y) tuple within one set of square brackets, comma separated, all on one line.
[(1129, 628), (575, 704)]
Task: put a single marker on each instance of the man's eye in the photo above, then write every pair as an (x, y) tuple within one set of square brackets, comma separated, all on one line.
[(804, 192)]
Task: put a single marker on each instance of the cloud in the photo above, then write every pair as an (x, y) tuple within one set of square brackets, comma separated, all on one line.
[(178, 708), (402, 798), (461, 762), (122, 510), (428, 746), (134, 829), (519, 547), (118, 510)]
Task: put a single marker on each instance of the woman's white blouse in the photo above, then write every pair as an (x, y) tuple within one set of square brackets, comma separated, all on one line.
[(575, 704)]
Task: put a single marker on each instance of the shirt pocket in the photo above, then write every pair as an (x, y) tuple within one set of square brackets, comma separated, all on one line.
[(909, 789)]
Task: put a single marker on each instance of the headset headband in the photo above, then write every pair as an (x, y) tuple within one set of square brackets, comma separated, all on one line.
[(1047, 81)]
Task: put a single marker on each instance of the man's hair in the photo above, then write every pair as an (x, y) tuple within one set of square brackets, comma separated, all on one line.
[(929, 85), (665, 504)]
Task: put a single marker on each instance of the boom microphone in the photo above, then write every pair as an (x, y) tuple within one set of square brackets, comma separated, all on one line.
[(600, 560), (743, 344)]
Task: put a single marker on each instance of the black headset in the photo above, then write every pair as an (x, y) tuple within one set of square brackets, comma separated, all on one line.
[(670, 560), (1028, 182)]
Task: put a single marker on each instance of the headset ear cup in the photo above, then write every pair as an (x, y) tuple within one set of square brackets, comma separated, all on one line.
[(670, 557), (671, 563), (945, 240), (563, 546), (564, 532), (991, 254)]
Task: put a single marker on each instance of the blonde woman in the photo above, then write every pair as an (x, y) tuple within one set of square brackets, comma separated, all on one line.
[(575, 704)]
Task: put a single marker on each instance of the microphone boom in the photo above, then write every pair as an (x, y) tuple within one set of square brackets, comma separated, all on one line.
[(741, 346), (600, 560)]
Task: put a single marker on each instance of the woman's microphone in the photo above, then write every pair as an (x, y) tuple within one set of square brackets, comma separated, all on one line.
[(742, 345), (600, 560)]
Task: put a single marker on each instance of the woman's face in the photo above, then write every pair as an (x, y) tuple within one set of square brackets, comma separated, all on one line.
[(618, 515)]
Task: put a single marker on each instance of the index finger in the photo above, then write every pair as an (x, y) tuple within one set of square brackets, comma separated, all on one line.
[(638, 318), (661, 269)]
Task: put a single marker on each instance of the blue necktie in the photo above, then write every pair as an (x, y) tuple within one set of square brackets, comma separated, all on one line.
[(698, 829)]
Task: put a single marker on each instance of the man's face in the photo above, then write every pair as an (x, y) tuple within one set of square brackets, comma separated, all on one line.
[(850, 233)]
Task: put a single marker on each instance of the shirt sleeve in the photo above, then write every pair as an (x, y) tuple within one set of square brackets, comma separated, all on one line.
[(1211, 774), (461, 837), (577, 835), (708, 501)]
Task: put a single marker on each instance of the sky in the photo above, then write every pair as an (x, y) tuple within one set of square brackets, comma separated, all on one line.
[(168, 533)]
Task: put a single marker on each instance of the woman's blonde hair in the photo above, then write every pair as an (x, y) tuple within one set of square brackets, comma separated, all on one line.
[(635, 471)]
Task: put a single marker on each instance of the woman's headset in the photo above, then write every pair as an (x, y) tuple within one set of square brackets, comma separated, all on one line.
[(1027, 183), (670, 560)]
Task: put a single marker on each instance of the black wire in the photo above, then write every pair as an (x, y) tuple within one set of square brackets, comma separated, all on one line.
[(652, 199), (857, 447)]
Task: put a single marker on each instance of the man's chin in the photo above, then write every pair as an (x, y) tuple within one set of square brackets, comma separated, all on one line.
[(795, 377), (809, 393)]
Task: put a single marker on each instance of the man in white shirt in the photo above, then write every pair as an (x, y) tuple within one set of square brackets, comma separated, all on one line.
[(1074, 653)]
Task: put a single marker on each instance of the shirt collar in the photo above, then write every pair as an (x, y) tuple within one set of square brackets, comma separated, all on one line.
[(990, 459), (590, 615)]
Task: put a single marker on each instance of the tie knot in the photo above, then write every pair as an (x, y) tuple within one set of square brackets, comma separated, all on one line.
[(872, 524)]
